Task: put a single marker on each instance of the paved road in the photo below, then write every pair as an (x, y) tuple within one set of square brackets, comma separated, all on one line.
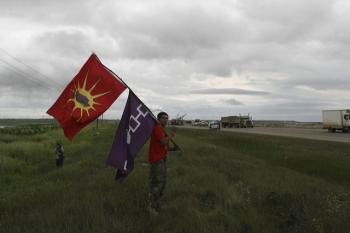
[(316, 134)]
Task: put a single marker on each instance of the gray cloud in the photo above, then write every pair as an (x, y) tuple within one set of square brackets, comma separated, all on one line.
[(70, 43), (233, 102), (183, 32), (228, 91), (286, 21)]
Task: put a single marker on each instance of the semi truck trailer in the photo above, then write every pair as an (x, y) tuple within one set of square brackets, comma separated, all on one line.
[(334, 120), (237, 122)]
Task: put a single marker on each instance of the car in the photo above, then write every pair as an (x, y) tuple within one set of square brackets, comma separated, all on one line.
[(203, 123), (196, 122), (214, 125)]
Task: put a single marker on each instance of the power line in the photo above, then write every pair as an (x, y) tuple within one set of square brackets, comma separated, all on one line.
[(26, 76), (31, 68)]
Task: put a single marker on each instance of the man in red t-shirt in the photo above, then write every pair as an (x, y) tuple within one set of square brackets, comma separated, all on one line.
[(158, 148)]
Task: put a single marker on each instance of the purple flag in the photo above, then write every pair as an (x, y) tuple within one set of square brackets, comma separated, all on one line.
[(134, 129)]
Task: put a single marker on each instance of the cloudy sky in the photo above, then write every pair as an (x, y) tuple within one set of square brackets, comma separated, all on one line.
[(274, 59)]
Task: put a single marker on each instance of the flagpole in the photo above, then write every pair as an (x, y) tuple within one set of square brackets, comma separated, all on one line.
[(125, 85), (130, 90)]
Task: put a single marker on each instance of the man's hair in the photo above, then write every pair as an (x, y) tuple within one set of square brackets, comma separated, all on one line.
[(161, 114)]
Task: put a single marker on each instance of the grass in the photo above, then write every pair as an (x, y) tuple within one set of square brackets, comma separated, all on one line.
[(18, 122), (224, 182)]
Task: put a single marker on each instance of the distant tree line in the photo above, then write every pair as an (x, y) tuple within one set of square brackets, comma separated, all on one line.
[(30, 129)]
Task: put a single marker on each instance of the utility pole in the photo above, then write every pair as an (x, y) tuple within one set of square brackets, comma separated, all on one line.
[(97, 123)]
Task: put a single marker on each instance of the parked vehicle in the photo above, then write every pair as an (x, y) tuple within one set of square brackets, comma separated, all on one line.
[(196, 122), (336, 120), (214, 125), (203, 123), (237, 122)]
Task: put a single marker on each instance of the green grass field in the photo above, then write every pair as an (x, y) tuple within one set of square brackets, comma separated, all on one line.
[(15, 122), (224, 182)]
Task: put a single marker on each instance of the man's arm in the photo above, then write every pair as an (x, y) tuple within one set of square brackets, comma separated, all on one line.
[(167, 139)]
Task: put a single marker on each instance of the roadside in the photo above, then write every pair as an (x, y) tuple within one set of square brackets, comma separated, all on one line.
[(315, 134)]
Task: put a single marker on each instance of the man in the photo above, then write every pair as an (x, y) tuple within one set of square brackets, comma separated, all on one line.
[(159, 146)]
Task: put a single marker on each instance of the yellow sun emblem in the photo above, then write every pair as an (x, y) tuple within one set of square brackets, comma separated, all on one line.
[(83, 99)]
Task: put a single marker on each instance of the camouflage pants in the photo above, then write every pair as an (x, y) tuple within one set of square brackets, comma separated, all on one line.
[(157, 181)]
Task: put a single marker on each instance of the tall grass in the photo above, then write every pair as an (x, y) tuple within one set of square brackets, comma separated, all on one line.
[(224, 182)]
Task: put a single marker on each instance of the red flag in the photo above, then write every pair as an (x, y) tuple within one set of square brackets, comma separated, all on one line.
[(91, 92)]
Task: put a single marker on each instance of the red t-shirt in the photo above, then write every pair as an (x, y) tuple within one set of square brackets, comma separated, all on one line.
[(157, 151)]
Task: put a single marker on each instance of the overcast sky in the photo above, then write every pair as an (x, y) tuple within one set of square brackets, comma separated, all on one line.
[(274, 59)]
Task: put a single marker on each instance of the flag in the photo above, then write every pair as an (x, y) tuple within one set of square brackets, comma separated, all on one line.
[(91, 92), (134, 129)]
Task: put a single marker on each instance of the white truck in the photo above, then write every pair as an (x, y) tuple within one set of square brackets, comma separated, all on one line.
[(336, 120)]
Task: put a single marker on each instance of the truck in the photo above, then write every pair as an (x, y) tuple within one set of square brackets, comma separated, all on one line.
[(237, 122), (334, 120)]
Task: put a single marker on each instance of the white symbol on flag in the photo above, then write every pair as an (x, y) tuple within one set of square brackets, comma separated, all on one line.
[(136, 120)]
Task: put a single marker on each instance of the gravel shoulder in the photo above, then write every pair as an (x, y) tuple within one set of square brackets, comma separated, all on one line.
[(315, 134)]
